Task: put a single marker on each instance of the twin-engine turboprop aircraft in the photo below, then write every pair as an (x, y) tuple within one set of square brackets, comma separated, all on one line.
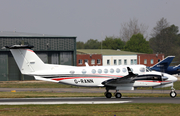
[(122, 77)]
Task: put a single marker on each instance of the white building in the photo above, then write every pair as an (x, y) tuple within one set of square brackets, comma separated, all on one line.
[(113, 57)]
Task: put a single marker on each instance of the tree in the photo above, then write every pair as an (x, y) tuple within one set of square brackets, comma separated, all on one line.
[(113, 43), (80, 45), (132, 28), (138, 43), (160, 25), (92, 44), (166, 41)]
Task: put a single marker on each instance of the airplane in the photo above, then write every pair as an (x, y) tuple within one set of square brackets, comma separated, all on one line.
[(119, 77), (163, 66)]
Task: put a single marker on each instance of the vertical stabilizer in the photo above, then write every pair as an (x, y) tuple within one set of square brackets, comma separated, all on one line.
[(27, 61)]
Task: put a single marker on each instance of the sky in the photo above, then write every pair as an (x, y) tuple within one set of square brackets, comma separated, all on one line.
[(85, 19)]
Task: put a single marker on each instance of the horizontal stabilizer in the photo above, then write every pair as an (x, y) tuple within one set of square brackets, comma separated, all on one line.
[(19, 47)]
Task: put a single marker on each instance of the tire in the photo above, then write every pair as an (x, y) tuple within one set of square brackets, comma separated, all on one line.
[(118, 95), (173, 94), (108, 95)]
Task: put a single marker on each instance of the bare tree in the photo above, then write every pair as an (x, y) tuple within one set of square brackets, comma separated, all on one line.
[(160, 25), (131, 28)]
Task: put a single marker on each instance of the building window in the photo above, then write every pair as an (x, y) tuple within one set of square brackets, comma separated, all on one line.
[(108, 62), (135, 61), (145, 61), (98, 61), (152, 61), (119, 62), (86, 60), (92, 61), (115, 63), (125, 62), (80, 61), (132, 62)]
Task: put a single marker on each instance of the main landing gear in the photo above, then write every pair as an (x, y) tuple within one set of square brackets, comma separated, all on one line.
[(109, 95), (173, 93)]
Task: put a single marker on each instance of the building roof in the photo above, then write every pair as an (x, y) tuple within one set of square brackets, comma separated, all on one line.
[(24, 34), (105, 52)]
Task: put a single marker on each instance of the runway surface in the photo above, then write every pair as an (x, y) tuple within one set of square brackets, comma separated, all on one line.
[(84, 90), (85, 100)]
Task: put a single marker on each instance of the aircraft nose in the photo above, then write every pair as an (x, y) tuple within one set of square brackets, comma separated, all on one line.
[(173, 78)]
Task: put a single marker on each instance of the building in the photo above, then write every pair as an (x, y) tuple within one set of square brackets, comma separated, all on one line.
[(51, 49), (109, 57), (149, 59), (91, 59), (117, 57)]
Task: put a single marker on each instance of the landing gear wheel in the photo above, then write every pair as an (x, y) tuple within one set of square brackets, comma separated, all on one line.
[(173, 94), (118, 95), (108, 94)]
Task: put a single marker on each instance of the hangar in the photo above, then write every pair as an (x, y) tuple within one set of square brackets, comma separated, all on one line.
[(51, 49)]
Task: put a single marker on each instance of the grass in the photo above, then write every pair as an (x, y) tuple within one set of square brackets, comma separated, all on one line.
[(92, 110)]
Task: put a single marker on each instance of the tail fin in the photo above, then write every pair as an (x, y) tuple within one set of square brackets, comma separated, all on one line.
[(162, 65), (27, 61)]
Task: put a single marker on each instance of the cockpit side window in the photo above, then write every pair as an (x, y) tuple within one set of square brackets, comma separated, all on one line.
[(142, 69)]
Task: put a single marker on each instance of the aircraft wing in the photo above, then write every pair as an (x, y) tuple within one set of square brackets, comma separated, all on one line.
[(125, 79), (163, 64)]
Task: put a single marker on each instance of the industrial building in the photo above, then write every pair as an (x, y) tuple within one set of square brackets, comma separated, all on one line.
[(51, 49)]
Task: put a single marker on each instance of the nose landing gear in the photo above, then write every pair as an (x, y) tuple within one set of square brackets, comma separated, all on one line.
[(173, 93)]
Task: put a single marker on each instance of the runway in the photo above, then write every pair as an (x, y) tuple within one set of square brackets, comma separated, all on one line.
[(86, 100)]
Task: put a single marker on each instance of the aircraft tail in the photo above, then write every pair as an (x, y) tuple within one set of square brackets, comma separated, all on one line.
[(27, 61), (163, 64)]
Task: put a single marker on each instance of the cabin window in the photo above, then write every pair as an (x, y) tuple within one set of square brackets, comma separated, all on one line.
[(86, 60), (115, 62), (142, 69), (145, 61), (83, 71), (105, 70), (118, 70), (93, 71), (119, 62), (80, 61), (131, 69), (124, 70), (152, 61), (108, 62), (99, 71), (111, 70), (92, 61), (72, 72), (98, 61)]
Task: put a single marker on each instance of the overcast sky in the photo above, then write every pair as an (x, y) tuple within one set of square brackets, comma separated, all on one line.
[(86, 19)]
